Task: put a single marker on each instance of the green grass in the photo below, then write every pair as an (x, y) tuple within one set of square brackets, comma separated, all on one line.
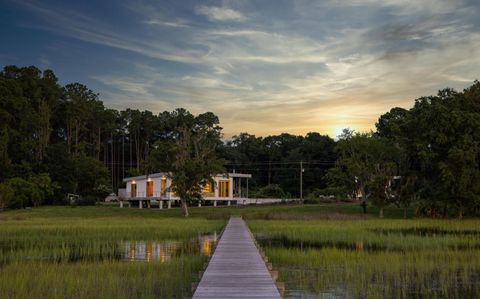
[(63, 252), (291, 211), (375, 258)]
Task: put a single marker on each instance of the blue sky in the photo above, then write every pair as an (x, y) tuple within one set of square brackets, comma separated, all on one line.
[(264, 67)]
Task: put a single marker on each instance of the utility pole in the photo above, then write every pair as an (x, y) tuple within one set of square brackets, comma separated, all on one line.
[(301, 181)]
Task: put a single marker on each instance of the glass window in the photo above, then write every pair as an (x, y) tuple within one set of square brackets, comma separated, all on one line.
[(224, 189), (133, 190), (149, 188), (207, 188)]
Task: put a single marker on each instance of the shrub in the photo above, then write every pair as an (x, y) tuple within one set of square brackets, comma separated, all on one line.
[(270, 191), (6, 195), (28, 192)]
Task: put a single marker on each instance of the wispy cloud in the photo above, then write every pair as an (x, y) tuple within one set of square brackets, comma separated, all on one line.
[(299, 70), (179, 24), (222, 14)]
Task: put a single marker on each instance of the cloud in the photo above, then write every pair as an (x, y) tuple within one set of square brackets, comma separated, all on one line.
[(178, 24), (222, 14), (317, 67)]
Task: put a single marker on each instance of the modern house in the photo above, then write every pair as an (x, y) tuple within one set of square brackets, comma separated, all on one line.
[(157, 188)]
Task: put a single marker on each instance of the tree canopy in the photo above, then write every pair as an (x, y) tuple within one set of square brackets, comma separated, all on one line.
[(58, 139)]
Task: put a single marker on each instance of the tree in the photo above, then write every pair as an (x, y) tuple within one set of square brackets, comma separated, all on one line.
[(368, 163), (6, 195), (189, 155), (441, 143)]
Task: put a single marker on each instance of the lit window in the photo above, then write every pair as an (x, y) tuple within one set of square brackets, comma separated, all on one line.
[(207, 188)]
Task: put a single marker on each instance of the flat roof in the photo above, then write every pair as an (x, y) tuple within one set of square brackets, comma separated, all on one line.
[(161, 174)]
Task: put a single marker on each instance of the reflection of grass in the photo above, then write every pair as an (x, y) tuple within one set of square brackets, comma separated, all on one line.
[(64, 253), (408, 265)]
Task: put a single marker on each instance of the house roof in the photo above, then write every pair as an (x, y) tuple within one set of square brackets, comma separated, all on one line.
[(144, 177), (162, 174)]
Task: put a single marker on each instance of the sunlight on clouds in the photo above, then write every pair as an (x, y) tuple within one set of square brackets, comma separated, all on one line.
[(220, 13), (298, 71)]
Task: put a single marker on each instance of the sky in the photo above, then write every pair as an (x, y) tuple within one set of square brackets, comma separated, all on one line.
[(264, 67)]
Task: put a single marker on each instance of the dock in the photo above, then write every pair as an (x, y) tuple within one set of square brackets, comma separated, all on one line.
[(236, 269)]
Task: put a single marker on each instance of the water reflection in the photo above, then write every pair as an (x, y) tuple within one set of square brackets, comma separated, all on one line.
[(284, 242), (164, 251)]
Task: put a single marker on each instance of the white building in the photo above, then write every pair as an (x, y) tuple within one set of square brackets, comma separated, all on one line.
[(157, 188)]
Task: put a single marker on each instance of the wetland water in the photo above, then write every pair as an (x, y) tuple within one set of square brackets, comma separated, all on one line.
[(164, 251), (322, 268), (135, 250)]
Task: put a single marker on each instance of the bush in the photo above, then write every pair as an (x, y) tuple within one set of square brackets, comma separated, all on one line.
[(326, 195), (22, 191), (270, 191), (87, 200), (6, 195), (31, 192)]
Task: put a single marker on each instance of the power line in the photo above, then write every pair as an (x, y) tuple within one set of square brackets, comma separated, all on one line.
[(286, 162)]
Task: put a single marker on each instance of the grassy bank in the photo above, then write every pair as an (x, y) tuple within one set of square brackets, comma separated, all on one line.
[(63, 252)]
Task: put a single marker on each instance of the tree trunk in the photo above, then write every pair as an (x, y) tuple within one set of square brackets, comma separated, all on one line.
[(99, 144), (381, 213), (363, 193), (137, 150), (76, 139), (404, 212), (184, 208), (269, 172)]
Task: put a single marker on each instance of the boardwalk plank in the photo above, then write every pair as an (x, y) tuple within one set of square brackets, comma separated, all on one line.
[(236, 269)]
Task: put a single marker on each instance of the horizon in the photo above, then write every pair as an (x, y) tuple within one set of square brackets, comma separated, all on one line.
[(263, 67)]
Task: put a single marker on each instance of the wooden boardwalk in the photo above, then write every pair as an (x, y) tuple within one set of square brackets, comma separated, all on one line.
[(236, 269)]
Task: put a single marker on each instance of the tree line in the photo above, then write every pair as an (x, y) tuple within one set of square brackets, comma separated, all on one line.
[(56, 140)]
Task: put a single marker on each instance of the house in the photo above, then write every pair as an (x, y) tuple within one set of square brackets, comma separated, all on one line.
[(157, 188)]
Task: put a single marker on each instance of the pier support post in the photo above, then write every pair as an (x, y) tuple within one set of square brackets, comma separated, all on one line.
[(199, 204), (229, 203), (121, 204), (140, 204), (214, 203), (169, 204), (148, 204), (160, 204)]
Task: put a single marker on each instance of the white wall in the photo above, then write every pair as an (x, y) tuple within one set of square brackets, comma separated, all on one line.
[(142, 187)]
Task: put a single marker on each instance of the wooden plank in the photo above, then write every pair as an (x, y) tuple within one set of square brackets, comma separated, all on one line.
[(236, 269)]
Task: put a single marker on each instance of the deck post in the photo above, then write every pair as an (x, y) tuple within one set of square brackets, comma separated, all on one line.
[(140, 203), (214, 203), (160, 204), (169, 204)]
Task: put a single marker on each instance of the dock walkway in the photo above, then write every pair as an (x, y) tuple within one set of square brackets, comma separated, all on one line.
[(236, 269)]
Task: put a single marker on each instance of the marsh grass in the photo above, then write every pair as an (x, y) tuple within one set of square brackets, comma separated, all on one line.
[(60, 252), (105, 279), (63, 252), (374, 258)]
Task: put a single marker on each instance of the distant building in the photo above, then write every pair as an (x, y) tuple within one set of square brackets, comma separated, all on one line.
[(157, 188)]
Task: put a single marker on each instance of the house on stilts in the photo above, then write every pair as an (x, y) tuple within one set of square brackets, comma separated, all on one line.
[(156, 189)]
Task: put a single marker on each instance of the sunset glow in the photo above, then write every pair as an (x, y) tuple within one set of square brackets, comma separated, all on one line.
[(264, 67)]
